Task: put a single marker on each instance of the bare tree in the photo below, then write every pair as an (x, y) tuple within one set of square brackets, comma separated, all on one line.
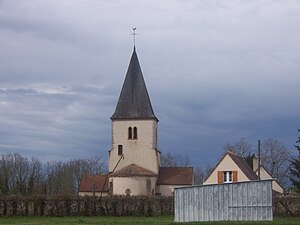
[(36, 178), (20, 175), (201, 173), (170, 160), (295, 167), (59, 179), (275, 158), (4, 175), (14, 173), (241, 147), (65, 177), (81, 167)]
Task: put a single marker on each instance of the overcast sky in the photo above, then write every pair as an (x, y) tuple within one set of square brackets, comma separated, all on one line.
[(216, 71)]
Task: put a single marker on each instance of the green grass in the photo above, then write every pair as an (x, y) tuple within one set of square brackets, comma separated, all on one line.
[(161, 220)]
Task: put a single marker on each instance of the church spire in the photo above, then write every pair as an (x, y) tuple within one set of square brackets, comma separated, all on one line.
[(134, 101)]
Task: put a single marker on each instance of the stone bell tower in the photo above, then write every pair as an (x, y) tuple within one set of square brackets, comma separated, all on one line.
[(134, 125)]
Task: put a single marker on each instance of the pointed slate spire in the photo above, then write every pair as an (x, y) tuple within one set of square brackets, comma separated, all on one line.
[(134, 101)]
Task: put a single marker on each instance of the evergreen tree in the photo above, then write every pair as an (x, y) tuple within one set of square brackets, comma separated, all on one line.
[(295, 167)]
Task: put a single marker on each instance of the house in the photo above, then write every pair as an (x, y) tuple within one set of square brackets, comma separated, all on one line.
[(265, 175), (134, 158), (233, 168)]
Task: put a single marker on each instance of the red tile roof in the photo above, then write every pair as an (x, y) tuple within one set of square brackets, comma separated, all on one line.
[(133, 170), (175, 176), (94, 183)]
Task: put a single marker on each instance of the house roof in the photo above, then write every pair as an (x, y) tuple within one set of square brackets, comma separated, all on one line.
[(134, 101), (133, 170), (175, 176), (242, 164), (94, 183)]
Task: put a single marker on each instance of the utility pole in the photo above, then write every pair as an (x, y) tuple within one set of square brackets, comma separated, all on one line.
[(122, 157), (258, 166)]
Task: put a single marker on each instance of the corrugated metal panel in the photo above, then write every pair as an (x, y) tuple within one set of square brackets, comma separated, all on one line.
[(220, 202)]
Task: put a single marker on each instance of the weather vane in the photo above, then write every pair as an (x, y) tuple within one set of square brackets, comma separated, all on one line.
[(134, 34)]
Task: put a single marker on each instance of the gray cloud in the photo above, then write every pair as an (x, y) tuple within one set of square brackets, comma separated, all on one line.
[(58, 122), (216, 71)]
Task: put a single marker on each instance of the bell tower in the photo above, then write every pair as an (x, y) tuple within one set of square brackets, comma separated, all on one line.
[(134, 124)]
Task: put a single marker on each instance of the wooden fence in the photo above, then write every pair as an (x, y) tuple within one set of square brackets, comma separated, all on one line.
[(235, 201)]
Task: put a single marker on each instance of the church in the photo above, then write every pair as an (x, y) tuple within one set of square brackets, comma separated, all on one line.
[(134, 157)]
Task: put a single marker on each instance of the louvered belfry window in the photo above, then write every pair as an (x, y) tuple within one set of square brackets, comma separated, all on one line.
[(135, 134), (130, 133)]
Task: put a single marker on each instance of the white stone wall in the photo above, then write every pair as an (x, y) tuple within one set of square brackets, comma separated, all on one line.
[(264, 175), (137, 185), (142, 151), (227, 164)]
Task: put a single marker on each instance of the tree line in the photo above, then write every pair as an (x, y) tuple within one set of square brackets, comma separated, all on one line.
[(20, 175)]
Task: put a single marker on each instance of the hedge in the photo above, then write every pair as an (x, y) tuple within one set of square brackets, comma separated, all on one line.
[(85, 206)]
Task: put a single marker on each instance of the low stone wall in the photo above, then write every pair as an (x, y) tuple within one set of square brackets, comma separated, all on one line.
[(85, 206)]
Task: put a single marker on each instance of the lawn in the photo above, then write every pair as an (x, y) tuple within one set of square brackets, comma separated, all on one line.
[(161, 220)]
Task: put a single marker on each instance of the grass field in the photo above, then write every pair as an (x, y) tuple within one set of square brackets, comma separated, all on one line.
[(165, 220)]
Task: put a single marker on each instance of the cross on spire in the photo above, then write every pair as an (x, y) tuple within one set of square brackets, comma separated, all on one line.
[(134, 34)]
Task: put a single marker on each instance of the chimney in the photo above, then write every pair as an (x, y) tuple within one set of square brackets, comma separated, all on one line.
[(255, 163)]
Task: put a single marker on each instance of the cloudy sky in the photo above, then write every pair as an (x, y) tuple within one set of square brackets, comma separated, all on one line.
[(216, 71)]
